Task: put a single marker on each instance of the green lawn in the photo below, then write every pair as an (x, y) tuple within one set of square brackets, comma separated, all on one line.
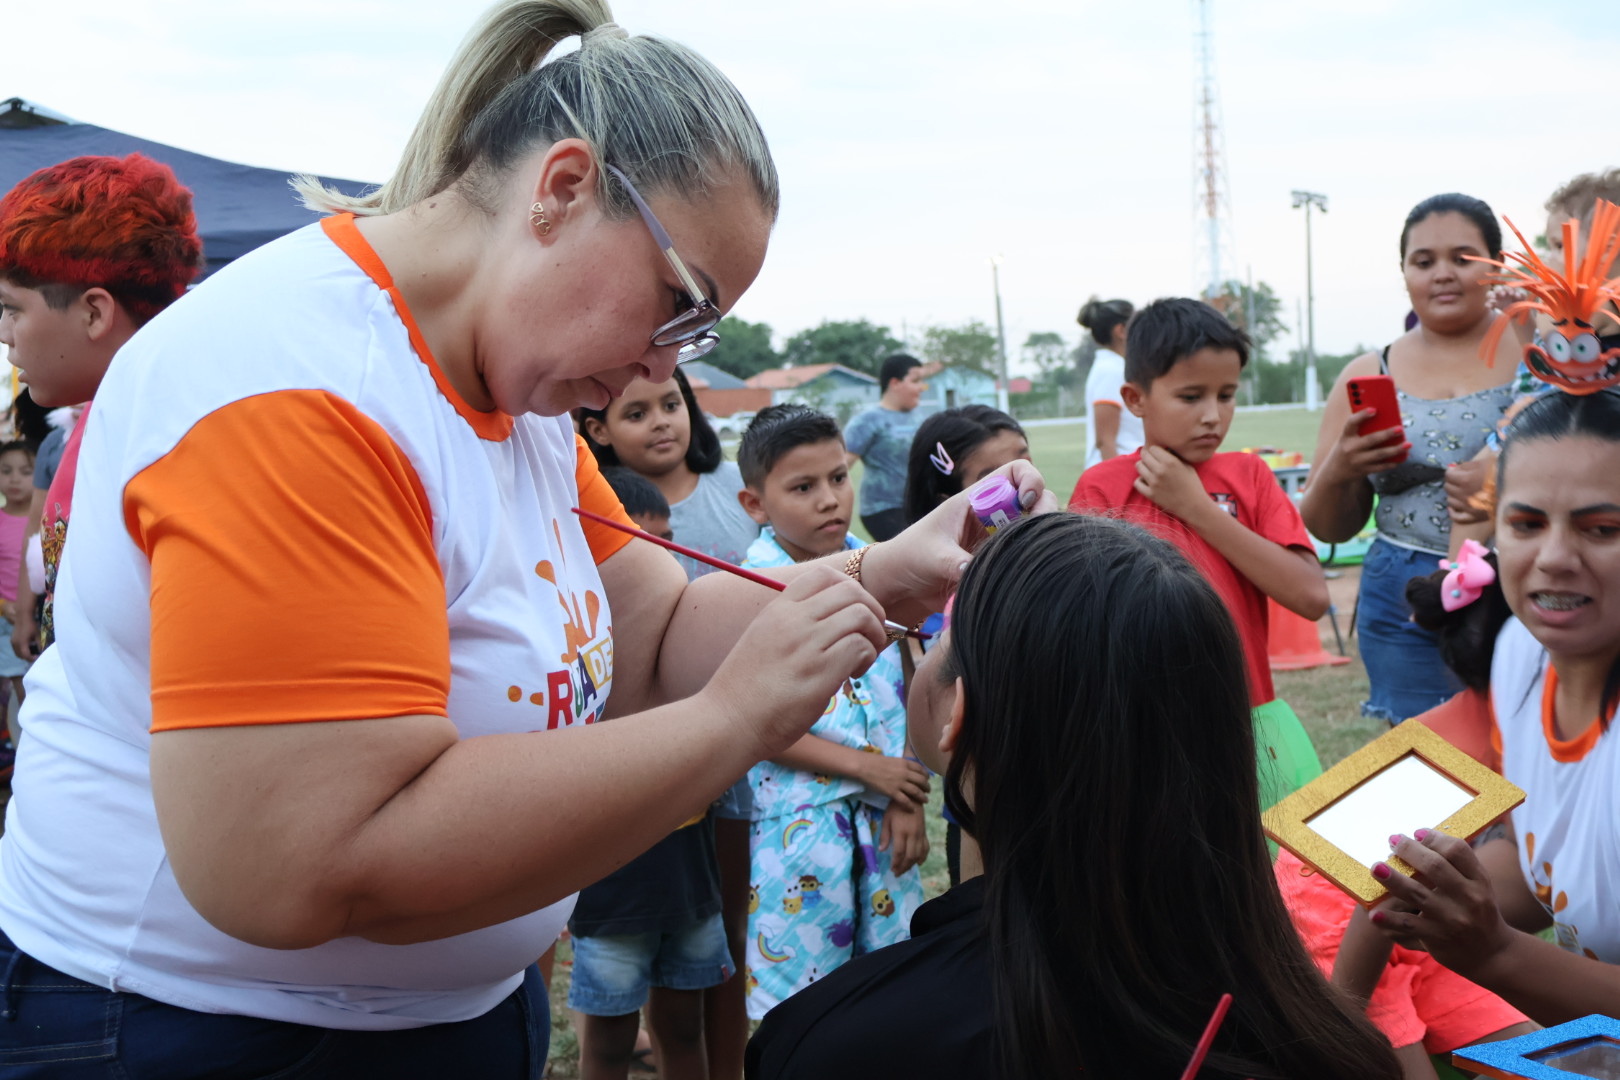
[(1060, 449)]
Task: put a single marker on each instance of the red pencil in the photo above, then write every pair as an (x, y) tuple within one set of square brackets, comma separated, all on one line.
[(1202, 1050), (719, 564)]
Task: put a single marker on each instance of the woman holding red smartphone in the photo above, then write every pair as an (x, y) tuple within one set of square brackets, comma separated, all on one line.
[(1447, 401)]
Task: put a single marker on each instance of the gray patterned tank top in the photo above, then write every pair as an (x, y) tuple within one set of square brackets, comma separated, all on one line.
[(1411, 509)]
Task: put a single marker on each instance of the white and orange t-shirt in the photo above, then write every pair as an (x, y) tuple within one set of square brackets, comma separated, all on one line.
[(1568, 831), (285, 513)]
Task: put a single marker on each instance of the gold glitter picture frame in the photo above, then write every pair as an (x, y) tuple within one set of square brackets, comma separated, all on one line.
[(1384, 776)]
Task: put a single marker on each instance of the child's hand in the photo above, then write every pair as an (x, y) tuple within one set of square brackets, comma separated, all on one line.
[(1463, 481), (1363, 955), (905, 828), (904, 781), (25, 635), (1171, 483)]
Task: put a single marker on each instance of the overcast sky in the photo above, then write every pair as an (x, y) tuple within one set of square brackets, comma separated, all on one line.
[(915, 140)]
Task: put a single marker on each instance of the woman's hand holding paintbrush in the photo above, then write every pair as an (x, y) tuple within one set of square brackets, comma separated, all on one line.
[(719, 564)]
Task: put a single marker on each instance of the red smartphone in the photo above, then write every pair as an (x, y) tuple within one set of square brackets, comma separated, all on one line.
[(1376, 392)]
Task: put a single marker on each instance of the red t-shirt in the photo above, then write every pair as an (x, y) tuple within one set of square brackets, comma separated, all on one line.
[(1243, 486)]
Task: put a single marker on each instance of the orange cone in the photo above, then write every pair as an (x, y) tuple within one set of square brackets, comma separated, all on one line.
[(1293, 643)]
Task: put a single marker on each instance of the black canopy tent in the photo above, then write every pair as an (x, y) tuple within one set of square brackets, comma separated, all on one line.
[(238, 207)]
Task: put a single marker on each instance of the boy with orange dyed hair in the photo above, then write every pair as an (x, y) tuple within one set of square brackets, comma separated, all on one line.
[(90, 250)]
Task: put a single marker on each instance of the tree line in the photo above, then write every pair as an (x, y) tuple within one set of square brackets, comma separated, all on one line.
[(1059, 364)]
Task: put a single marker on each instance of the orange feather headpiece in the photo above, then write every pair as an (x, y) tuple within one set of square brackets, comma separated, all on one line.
[(1570, 356)]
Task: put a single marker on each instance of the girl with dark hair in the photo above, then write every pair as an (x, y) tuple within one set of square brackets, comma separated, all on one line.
[(1111, 428), (954, 450), (1126, 882), (1555, 688), (658, 430), (1420, 1006), (1450, 402)]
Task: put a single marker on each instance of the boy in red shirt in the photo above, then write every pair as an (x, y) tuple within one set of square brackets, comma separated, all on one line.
[(1226, 512)]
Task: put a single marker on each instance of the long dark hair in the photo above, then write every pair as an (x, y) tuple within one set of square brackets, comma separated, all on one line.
[(1109, 749), (960, 431), (1567, 416), (703, 453)]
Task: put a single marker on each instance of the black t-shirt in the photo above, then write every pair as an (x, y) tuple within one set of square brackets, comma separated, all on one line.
[(670, 886), (919, 1008)]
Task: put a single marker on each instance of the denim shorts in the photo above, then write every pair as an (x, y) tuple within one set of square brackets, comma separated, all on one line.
[(53, 1025), (10, 664), (613, 972), (1405, 673)]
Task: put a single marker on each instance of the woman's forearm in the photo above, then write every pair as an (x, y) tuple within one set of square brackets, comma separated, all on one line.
[(1549, 984), (287, 836), (1335, 510)]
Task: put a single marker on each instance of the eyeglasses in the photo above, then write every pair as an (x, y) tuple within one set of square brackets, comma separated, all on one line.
[(692, 329)]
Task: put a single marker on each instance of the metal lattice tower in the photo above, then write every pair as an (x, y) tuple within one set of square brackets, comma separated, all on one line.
[(1214, 266)]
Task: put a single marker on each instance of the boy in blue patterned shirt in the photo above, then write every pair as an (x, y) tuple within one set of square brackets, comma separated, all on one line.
[(838, 822)]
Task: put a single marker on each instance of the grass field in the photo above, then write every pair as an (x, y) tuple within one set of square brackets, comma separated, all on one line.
[(1060, 449)]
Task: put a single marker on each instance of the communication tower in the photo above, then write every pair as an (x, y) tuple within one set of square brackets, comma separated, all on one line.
[(1214, 264)]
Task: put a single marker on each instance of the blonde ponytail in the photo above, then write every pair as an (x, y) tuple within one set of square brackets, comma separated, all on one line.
[(654, 109), (507, 43)]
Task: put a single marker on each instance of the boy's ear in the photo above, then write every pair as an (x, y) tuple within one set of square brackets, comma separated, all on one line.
[(952, 730), (1135, 398), (752, 506), (98, 311)]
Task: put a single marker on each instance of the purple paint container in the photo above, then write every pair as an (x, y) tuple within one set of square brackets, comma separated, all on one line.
[(995, 501)]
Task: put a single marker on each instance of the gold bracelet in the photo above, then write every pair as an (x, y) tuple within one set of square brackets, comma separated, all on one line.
[(852, 568)]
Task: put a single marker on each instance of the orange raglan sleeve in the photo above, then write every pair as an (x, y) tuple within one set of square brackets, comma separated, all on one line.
[(294, 574), (596, 494)]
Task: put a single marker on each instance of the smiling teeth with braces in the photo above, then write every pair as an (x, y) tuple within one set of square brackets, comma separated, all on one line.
[(1560, 601)]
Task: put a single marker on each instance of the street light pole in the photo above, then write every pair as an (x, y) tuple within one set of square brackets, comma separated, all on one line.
[(1308, 199), (1002, 402)]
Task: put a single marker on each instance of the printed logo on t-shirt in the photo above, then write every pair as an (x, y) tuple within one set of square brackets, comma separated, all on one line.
[(577, 691), (1225, 501)]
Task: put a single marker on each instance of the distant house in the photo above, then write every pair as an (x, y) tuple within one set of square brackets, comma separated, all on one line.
[(955, 386), (721, 394), (832, 388)]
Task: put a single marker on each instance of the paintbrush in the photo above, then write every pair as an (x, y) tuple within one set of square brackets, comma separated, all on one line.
[(1202, 1050), (719, 564)]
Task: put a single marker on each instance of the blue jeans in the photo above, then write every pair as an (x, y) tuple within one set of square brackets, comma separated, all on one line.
[(614, 972), (53, 1025), (1403, 662)]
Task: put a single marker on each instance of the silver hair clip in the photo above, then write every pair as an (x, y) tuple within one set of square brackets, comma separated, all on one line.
[(942, 459)]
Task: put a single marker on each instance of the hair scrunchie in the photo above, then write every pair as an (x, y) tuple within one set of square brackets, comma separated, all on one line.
[(606, 30)]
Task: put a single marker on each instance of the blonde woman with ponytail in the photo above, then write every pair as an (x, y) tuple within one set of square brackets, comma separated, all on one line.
[(312, 771)]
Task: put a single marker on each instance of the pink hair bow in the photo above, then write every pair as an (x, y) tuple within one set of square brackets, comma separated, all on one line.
[(1467, 578)]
